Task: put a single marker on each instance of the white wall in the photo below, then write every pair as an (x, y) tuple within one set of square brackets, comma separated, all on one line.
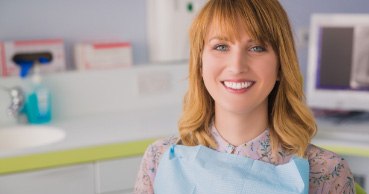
[(116, 90), (76, 20)]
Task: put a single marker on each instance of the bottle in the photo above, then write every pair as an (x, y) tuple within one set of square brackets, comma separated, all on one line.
[(38, 103)]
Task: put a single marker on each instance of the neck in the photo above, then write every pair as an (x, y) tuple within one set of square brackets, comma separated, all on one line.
[(238, 128)]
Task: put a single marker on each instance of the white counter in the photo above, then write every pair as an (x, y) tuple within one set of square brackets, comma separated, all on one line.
[(110, 128)]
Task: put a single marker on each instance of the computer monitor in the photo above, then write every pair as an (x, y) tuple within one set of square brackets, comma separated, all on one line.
[(338, 63)]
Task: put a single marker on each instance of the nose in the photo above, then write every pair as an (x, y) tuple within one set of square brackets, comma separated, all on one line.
[(238, 63)]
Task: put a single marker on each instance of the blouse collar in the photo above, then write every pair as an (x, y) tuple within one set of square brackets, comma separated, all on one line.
[(258, 148)]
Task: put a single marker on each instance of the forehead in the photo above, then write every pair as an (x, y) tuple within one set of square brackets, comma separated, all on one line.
[(228, 31), (215, 31), (231, 19)]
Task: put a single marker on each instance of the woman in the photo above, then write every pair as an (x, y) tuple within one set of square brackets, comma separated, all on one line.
[(245, 102)]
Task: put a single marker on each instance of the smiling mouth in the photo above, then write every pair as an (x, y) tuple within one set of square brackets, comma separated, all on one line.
[(238, 85)]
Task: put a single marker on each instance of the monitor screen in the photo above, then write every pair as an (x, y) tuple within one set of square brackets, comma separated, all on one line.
[(338, 67)]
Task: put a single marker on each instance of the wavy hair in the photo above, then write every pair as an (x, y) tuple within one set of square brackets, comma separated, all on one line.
[(290, 121)]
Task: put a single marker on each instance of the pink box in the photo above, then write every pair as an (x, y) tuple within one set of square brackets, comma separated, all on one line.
[(102, 55), (10, 48)]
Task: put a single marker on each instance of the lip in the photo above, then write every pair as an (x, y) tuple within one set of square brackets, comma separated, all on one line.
[(237, 91)]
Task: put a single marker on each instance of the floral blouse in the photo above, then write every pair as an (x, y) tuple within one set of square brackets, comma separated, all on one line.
[(329, 173)]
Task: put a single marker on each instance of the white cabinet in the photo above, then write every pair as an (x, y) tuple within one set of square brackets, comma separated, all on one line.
[(102, 177), (116, 176), (76, 179)]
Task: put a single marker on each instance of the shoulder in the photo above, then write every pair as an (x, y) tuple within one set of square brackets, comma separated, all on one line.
[(328, 171), (161, 145), (150, 162), (317, 154), (155, 150)]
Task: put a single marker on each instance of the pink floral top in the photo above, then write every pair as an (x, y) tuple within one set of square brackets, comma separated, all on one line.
[(329, 173)]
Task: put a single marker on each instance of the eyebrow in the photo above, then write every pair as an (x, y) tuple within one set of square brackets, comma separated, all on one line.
[(224, 38)]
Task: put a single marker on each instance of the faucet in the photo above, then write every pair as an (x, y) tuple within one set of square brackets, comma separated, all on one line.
[(17, 101)]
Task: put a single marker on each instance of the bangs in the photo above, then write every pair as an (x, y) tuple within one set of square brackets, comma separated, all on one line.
[(229, 20)]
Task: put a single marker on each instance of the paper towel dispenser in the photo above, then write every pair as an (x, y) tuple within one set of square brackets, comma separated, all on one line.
[(168, 27)]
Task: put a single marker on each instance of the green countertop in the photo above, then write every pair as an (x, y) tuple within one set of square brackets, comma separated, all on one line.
[(110, 151), (347, 150), (74, 156)]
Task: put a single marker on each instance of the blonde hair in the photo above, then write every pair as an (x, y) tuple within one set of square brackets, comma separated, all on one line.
[(290, 121)]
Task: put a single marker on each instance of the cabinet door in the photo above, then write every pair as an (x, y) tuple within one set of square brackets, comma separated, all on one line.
[(120, 192), (76, 179), (117, 176)]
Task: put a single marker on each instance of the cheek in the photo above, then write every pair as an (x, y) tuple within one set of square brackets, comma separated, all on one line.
[(208, 65), (273, 70), (206, 74), (209, 72)]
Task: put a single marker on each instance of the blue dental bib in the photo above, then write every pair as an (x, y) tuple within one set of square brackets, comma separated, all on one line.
[(201, 170)]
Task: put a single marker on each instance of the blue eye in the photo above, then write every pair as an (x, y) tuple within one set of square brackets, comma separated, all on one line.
[(221, 47), (258, 49)]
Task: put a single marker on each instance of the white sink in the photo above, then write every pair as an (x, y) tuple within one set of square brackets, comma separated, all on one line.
[(26, 136)]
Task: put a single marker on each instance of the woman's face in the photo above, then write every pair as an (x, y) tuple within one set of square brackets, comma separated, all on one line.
[(238, 75)]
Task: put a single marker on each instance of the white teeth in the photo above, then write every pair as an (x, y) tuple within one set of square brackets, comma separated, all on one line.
[(237, 85)]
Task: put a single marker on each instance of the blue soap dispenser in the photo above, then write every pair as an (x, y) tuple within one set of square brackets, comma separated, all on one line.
[(38, 104)]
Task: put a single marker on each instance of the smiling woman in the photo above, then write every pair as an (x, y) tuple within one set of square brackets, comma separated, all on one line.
[(239, 75), (245, 127)]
